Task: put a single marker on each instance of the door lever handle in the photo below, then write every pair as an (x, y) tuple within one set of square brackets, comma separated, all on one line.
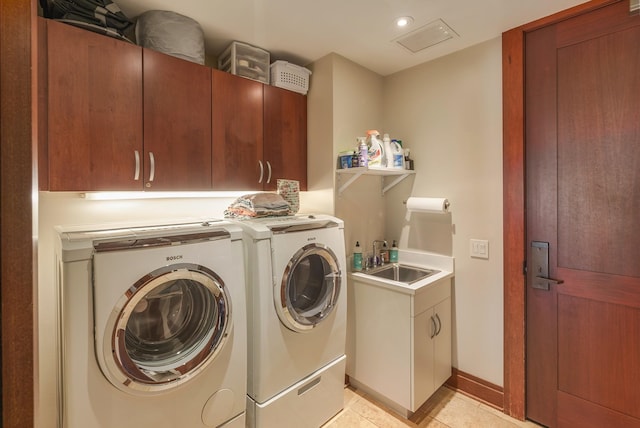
[(545, 283), (540, 264)]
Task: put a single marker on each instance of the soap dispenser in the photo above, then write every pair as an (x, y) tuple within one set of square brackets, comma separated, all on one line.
[(384, 254), (357, 257), (393, 253)]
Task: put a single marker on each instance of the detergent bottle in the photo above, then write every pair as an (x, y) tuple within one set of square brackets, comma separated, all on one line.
[(398, 154), (376, 150)]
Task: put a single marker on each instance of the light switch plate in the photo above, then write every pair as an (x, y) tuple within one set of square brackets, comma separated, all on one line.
[(479, 248)]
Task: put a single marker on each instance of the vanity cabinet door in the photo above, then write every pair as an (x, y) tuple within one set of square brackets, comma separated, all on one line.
[(424, 329), (431, 351), (442, 344), (93, 97), (237, 143), (177, 123)]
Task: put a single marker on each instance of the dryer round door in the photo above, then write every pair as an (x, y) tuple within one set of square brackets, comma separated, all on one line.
[(167, 328), (309, 289)]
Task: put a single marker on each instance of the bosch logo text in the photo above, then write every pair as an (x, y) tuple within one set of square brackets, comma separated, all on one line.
[(174, 258)]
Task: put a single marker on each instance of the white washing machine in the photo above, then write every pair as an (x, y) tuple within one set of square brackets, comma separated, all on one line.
[(296, 291), (152, 327)]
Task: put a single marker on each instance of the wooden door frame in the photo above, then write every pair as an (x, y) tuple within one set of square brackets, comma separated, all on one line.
[(18, 104), (514, 227)]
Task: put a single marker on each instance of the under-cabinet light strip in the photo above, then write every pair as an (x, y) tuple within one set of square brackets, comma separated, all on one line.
[(111, 196)]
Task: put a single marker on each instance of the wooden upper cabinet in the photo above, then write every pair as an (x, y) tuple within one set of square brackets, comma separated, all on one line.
[(94, 108), (237, 142), (285, 135), (115, 116), (177, 123)]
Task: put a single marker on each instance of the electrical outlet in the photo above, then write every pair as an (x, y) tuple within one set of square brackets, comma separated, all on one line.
[(479, 248)]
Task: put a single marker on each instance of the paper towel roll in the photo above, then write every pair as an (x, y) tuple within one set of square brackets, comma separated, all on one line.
[(432, 205)]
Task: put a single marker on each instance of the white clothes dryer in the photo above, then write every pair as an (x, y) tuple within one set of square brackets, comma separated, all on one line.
[(296, 291), (152, 326)]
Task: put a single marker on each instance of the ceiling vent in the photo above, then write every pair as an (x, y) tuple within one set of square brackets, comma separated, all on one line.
[(426, 36)]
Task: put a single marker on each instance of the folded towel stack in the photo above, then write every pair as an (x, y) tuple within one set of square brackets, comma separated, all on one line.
[(258, 205)]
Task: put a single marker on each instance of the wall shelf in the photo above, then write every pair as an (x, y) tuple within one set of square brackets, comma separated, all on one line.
[(352, 174)]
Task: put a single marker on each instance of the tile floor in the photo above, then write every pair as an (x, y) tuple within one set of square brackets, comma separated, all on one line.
[(445, 409)]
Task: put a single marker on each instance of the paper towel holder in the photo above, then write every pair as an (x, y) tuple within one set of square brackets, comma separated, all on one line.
[(447, 204)]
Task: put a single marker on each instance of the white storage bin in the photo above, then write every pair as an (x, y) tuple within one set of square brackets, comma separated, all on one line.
[(245, 60), (290, 76)]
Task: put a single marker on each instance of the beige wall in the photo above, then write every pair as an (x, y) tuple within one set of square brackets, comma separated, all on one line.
[(449, 113), (320, 150), (345, 100)]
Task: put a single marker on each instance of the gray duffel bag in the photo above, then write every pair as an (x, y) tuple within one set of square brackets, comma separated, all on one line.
[(171, 33)]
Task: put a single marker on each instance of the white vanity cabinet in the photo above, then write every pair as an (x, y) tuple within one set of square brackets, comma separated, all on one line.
[(399, 341)]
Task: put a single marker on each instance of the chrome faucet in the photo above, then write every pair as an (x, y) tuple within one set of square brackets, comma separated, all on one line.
[(377, 257)]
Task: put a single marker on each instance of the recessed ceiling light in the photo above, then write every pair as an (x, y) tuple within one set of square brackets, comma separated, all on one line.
[(404, 21)]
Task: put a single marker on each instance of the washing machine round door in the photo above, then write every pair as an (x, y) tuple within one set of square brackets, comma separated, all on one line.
[(167, 328), (309, 289)]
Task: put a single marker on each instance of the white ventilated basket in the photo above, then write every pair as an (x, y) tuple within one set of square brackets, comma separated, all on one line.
[(290, 76)]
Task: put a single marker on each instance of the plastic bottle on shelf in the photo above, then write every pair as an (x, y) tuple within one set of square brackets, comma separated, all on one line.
[(408, 162), (376, 150), (363, 152), (398, 154), (388, 155), (357, 257), (393, 253)]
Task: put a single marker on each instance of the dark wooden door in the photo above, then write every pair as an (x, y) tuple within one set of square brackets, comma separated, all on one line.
[(94, 108), (285, 136), (237, 133), (583, 199), (177, 123)]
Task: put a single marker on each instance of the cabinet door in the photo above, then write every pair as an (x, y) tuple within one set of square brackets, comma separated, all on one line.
[(94, 108), (442, 343), (237, 142), (285, 135), (422, 376), (177, 123)]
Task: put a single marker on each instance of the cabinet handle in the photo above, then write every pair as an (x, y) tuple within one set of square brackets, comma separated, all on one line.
[(152, 167), (439, 324), (261, 171), (269, 177), (433, 328), (136, 175)]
